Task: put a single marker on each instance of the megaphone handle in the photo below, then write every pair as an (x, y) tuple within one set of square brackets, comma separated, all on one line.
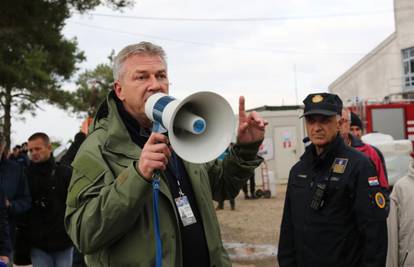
[(155, 197)]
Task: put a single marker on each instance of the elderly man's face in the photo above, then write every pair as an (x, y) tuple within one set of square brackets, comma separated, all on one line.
[(142, 76), (322, 129)]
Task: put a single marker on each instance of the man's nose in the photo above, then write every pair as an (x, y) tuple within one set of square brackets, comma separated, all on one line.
[(154, 84), (317, 126)]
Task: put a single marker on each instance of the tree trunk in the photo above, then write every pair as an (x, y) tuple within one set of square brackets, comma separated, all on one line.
[(7, 116)]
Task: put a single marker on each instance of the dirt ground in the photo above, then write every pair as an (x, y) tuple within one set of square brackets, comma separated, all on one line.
[(254, 222)]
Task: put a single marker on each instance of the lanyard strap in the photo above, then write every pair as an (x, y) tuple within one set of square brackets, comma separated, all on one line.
[(155, 197)]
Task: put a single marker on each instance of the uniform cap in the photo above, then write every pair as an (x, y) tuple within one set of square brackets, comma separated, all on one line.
[(322, 104)]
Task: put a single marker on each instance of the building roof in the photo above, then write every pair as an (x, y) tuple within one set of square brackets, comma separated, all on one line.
[(278, 108)]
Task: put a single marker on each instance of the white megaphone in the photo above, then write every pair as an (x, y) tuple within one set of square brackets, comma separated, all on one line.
[(200, 127)]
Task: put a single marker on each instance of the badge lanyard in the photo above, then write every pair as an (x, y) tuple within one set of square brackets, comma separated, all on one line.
[(155, 197), (186, 214), (181, 202)]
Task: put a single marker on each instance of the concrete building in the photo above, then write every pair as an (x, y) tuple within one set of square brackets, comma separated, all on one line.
[(389, 68)]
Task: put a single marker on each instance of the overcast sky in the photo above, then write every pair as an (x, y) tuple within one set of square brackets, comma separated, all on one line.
[(272, 52)]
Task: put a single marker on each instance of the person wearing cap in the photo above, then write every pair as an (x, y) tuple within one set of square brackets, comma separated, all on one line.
[(334, 213), (349, 118), (356, 126), (357, 130)]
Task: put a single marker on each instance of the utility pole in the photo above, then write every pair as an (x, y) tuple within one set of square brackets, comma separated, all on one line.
[(296, 84)]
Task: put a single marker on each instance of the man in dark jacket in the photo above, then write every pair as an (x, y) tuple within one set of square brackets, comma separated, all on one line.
[(356, 130), (13, 184), (5, 242), (48, 182), (335, 209)]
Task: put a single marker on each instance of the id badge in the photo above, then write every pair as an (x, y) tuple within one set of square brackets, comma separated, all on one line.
[(184, 209)]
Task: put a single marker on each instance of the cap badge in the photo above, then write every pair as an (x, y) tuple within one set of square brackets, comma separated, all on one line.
[(317, 98)]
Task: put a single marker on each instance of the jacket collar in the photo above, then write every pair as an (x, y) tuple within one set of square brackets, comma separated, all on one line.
[(327, 156), (118, 140), (355, 142)]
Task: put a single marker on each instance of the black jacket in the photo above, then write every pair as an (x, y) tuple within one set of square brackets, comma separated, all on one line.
[(48, 183), (349, 230), (5, 242), (13, 182)]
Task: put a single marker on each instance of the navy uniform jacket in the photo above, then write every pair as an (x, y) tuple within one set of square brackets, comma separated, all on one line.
[(350, 228)]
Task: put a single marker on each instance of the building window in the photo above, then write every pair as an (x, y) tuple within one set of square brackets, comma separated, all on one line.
[(408, 62)]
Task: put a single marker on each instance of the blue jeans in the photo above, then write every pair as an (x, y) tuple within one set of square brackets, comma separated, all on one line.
[(62, 258)]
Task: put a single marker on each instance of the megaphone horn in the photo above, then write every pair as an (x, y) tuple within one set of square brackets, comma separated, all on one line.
[(200, 127)]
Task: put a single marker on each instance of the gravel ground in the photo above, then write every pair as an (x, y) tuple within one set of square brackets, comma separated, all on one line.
[(253, 224)]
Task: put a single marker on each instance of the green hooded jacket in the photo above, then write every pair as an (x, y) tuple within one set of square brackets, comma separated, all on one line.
[(109, 212)]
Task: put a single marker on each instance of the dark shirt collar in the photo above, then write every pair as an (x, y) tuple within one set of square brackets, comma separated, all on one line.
[(327, 156), (138, 134), (355, 142), (44, 165)]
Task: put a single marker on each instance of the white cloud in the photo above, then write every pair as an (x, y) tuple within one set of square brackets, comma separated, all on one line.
[(254, 58)]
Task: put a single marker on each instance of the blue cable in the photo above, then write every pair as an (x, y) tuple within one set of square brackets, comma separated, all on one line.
[(155, 197)]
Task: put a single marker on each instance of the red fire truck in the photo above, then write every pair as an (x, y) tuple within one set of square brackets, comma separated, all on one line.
[(392, 116)]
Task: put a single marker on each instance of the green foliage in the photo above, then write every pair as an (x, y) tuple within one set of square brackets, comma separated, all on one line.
[(35, 58), (55, 144), (93, 86), (84, 5)]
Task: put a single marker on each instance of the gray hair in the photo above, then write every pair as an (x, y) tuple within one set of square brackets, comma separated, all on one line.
[(142, 48)]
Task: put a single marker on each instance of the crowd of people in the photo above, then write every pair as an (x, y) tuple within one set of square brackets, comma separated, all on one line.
[(33, 194), (125, 198)]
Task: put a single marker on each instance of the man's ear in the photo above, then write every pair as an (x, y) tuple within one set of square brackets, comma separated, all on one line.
[(339, 123), (118, 90)]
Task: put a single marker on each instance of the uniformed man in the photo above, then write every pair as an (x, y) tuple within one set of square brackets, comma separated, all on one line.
[(334, 213), (110, 207)]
